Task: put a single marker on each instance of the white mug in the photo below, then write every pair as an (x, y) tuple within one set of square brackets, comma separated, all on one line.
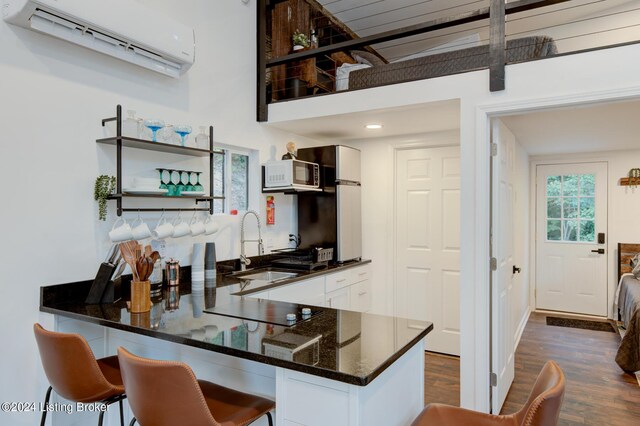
[(196, 226), (121, 232), (210, 227), (163, 229), (141, 230), (180, 227)]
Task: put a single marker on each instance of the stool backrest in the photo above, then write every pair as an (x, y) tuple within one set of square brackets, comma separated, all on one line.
[(70, 366), (163, 392), (545, 401)]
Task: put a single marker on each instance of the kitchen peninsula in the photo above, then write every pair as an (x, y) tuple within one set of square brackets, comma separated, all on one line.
[(334, 367)]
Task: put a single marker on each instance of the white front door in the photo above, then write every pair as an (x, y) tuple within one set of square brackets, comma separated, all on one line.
[(502, 250), (428, 242), (571, 212)]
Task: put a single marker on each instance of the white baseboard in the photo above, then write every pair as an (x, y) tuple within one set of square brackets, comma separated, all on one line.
[(521, 326), (570, 314)]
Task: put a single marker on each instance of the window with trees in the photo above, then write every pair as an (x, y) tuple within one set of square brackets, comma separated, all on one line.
[(571, 208)]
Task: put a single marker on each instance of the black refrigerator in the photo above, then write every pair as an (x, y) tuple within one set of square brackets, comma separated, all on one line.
[(333, 217)]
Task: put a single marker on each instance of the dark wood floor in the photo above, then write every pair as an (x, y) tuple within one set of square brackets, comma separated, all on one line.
[(597, 392)]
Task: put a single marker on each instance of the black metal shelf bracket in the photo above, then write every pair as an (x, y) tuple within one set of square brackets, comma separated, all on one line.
[(118, 196)]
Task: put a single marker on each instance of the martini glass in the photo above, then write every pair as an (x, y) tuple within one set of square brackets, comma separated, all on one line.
[(183, 131), (154, 126)]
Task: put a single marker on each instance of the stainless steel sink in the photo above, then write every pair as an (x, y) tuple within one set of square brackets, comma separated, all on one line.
[(268, 276)]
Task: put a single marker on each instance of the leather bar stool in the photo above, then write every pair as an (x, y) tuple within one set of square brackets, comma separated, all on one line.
[(167, 393), (542, 407), (75, 373)]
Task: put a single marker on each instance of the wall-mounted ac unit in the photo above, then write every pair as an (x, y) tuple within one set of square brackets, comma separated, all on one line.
[(124, 29)]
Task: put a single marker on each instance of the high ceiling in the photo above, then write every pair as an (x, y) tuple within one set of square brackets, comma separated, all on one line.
[(368, 17), (413, 120)]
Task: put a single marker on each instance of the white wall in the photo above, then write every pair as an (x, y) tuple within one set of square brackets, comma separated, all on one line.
[(609, 74), (623, 206), (53, 95), (378, 206)]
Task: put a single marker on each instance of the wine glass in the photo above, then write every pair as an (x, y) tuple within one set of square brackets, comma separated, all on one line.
[(154, 126), (183, 131)]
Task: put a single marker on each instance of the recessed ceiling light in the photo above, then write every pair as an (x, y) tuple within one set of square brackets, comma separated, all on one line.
[(374, 126)]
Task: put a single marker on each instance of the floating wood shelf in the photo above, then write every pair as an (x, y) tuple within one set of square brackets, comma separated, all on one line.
[(186, 197), (156, 146), (630, 181)]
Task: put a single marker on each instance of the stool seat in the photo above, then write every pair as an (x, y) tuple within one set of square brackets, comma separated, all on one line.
[(167, 393), (232, 407), (541, 409), (75, 373)]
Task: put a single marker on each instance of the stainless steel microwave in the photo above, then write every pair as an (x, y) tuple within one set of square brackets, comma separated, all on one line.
[(291, 174)]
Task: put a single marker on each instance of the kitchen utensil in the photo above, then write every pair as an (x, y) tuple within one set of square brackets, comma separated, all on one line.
[(121, 231), (172, 271), (140, 296), (103, 276), (148, 250), (128, 250), (141, 267)]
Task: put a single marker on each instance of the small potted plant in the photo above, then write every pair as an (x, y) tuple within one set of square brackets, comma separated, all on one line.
[(105, 186), (300, 41)]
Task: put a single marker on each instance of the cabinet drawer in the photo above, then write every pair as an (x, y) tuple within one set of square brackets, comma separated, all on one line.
[(360, 273), (338, 280)]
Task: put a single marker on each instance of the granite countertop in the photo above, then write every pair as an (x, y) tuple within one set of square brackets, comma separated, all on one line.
[(353, 348)]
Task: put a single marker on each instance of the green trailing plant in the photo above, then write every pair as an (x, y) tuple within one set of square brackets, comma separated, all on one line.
[(300, 39), (105, 185)]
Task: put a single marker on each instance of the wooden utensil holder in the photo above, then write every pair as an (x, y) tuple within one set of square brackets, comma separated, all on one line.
[(140, 296), (142, 319)]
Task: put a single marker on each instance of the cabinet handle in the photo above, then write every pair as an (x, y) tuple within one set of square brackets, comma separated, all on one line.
[(341, 281), (362, 293), (362, 273)]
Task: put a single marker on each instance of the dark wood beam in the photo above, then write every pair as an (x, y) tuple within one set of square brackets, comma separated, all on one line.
[(433, 25), (341, 26), (261, 38), (497, 46)]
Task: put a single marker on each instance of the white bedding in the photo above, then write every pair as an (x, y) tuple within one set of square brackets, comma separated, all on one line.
[(342, 74)]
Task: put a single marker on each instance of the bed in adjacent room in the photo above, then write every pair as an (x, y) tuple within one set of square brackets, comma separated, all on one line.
[(628, 304), (437, 62)]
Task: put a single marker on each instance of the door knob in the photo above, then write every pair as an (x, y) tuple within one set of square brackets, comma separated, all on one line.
[(516, 270), (599, 251)]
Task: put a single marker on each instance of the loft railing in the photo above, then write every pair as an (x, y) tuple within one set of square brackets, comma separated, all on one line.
[(503, 33)]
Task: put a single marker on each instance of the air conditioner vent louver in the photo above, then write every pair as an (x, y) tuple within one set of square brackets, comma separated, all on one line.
[(167, 47)]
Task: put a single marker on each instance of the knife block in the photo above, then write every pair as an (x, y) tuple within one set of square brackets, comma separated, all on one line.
[(140, 296)]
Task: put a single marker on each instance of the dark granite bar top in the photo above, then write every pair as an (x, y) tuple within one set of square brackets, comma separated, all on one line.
[(353, 347)]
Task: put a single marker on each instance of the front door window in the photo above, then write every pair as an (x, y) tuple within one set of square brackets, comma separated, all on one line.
[(571, 208)]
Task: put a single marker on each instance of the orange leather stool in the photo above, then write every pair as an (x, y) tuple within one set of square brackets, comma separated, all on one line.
[(75, 374), (167, 393), (542, 407)]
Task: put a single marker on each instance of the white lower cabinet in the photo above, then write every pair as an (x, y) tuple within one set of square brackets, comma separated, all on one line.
[(360, 297), (303, 292), (348, 289), (338, 299)]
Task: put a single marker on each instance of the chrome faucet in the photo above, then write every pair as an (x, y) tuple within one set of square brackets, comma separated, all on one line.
[(244, 260)]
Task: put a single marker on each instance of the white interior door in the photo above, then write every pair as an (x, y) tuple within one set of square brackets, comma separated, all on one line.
[(428, 242), (571, 210), (502, 250)]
